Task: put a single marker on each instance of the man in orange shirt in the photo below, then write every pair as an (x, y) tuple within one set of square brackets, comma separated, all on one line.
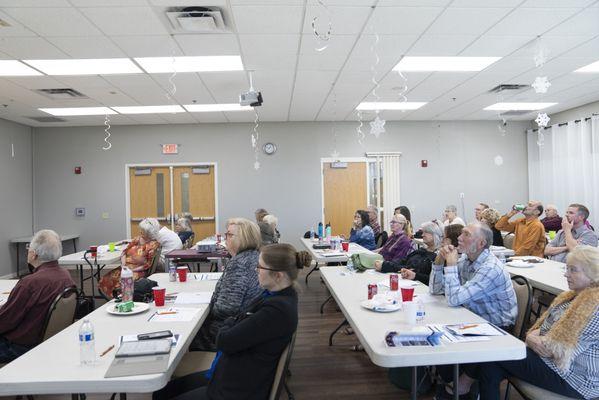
[(529, 237)]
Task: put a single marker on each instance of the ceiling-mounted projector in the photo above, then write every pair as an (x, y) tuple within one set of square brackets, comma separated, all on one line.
[(250, 98)]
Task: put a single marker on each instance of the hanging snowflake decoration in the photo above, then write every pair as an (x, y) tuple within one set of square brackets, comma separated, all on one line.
[(322, 38), (377, 126), (541, 53), (542, 120), (540, 137), (541, 84), (502, 126), (257, 165)]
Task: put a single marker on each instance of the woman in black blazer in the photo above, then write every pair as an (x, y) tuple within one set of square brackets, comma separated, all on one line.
[(250, 344)]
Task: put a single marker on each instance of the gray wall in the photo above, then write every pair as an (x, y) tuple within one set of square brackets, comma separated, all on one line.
[(460, 156), (581, 112), (16, 193)]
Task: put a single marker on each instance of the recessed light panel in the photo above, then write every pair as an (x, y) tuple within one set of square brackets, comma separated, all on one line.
[(77, 111), (216, 107), (155, 65), (594, 67), (390, 105), (518, 106), (16, 68), (444, 63), (149, 109), (90, 66)]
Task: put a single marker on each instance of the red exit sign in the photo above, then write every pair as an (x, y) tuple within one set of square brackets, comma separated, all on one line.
[(170, 148)]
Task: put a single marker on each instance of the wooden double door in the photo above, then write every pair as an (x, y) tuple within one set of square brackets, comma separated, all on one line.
[(165, 192)]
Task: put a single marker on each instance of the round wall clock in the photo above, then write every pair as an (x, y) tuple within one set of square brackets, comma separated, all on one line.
[(269, 148)]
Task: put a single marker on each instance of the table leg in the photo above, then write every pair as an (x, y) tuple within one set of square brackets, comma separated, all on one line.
[(75, 245), (414, 389), (325, 302), (336, 330), (81, 280), (456, 380), (312, 270)]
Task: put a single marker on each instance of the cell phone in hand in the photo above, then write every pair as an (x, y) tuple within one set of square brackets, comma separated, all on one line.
[(154, 335)]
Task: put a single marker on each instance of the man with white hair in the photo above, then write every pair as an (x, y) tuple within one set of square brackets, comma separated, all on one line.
[(477, 280), (22, 317), (168, 239), (552, 220)]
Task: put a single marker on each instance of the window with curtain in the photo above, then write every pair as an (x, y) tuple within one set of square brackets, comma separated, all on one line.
[(565, 168)]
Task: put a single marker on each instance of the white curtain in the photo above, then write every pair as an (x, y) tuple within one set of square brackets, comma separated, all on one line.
[(391, 195), (565, 168)]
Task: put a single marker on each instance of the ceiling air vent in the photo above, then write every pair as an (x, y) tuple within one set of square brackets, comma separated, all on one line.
[(196, 19), (508, 86), (47, 119), (61, 93)]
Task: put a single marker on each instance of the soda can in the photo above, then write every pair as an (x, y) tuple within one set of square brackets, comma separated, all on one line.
[(394, 282), (372, 290), (519, 207)]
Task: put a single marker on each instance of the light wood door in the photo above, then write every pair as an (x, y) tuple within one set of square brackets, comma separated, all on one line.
[(150, 195), (345, 191), (194, 192)]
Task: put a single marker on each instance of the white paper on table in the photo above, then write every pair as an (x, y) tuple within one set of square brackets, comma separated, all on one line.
[(133, 338), (449, 337), (180, 315), (208, 276), (425, 298), (193, 298), (475, 329), (2, 301)]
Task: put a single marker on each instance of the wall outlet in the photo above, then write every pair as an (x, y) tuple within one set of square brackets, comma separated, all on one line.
[(80, 212), (105, 215)]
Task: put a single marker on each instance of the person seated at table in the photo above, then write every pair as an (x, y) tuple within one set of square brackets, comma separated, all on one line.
[(398, 245), (480, 207), (183, 229), (562, 345), (451, 216), (23, 315), (373, 216), (552, 220), (268, 229), (417, 265), (250, 343), (451, 234), (490, 216), (405, 211), (238, 285), (529, 239), (168, 239), (138, 256), (260, 213), (573, 233), (361, 233), (477, 280)]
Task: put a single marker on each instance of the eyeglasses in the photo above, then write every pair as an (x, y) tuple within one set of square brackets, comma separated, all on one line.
[(267, 269), (397, 222), (229, 234), (573, 269)]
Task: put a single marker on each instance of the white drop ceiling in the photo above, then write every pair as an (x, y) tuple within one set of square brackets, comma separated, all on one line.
[(275, 39)]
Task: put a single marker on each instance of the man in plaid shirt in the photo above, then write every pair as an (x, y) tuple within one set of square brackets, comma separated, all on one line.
[(477, 280)]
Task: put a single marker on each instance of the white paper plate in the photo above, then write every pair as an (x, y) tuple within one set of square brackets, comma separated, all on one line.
[(377, 308), (520, 264), (137, 309)]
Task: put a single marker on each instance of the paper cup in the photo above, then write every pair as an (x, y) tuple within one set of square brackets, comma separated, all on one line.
[(407, 294), (182, 272), (409, 309), (345, 246), (159, 295)]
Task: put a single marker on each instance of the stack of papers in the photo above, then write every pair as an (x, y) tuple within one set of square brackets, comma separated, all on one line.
[(193, 298), (174, 315), (482, 329), (208, 276)]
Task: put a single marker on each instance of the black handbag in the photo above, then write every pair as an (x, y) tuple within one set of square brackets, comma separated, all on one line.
[(142, 290)]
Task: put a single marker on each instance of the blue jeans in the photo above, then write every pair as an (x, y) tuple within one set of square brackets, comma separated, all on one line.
[(10, 351)]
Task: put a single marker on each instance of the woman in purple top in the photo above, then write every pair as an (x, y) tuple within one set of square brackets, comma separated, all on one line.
[(398, 245)]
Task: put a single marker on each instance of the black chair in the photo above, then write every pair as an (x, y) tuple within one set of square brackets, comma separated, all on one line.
[(380, 239)]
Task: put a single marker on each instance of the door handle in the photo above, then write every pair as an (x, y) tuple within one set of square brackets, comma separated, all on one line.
[(204, 218)]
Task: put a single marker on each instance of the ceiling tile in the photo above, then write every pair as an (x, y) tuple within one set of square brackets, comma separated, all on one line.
[(189, 87), (54, 21), (557, 3), (262, 44), (496, 45), (208, 44), (226, 86), (331, 58), (120, 20), (267, 19), (79, 47), (466, 21), (26, 48), (519, 22), (253, 62), (441, 45), (14, 28), (342, 20), (584, 23), (34, 3), (36, 82), (148, 46), (401, 20), (108, 3)]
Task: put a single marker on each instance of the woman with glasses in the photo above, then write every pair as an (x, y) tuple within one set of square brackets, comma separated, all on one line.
[(250, 344), (398, 245), (239, 282)]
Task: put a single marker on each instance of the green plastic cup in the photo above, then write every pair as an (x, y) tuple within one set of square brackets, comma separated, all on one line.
[(551, 235), (111, 246)]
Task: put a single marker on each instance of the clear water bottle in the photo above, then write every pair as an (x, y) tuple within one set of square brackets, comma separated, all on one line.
[(127, 283), (312, 233), (420, 311), (87, 347), (172, 271), (350, 264), (501, 257)]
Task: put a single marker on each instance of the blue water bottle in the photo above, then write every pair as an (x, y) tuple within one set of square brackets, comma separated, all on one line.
[(312, 234), (320, 232)]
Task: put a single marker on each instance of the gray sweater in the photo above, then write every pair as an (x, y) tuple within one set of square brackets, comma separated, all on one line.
[(234, 292)]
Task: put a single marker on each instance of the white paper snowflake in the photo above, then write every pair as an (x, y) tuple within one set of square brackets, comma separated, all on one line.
[(257, 165), (254, 141), (498, 160), (541, 84), (377, 126), (540, 137), (542, 120)]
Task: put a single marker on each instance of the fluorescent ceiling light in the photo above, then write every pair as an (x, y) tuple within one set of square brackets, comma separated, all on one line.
[(149, 109), (444, 63), (594, 67), (90, 66), (390, 105), (16, 68), (216, 107), (518, 106), (154, 65), (66, 112)]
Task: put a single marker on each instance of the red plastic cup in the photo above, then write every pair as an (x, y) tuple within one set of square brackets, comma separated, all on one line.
[(93, 250), (182, 272), (159, 295), (345, 246), (407, 294)]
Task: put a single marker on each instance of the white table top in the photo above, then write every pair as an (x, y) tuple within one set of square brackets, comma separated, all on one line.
[(53, 366), (107, 258), (6, 286), (370, 327), (547, 276), (318, 255), (27, 239)]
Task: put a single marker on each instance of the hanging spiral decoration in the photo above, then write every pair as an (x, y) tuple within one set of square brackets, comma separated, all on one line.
[(108, 145), (323, 38)]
